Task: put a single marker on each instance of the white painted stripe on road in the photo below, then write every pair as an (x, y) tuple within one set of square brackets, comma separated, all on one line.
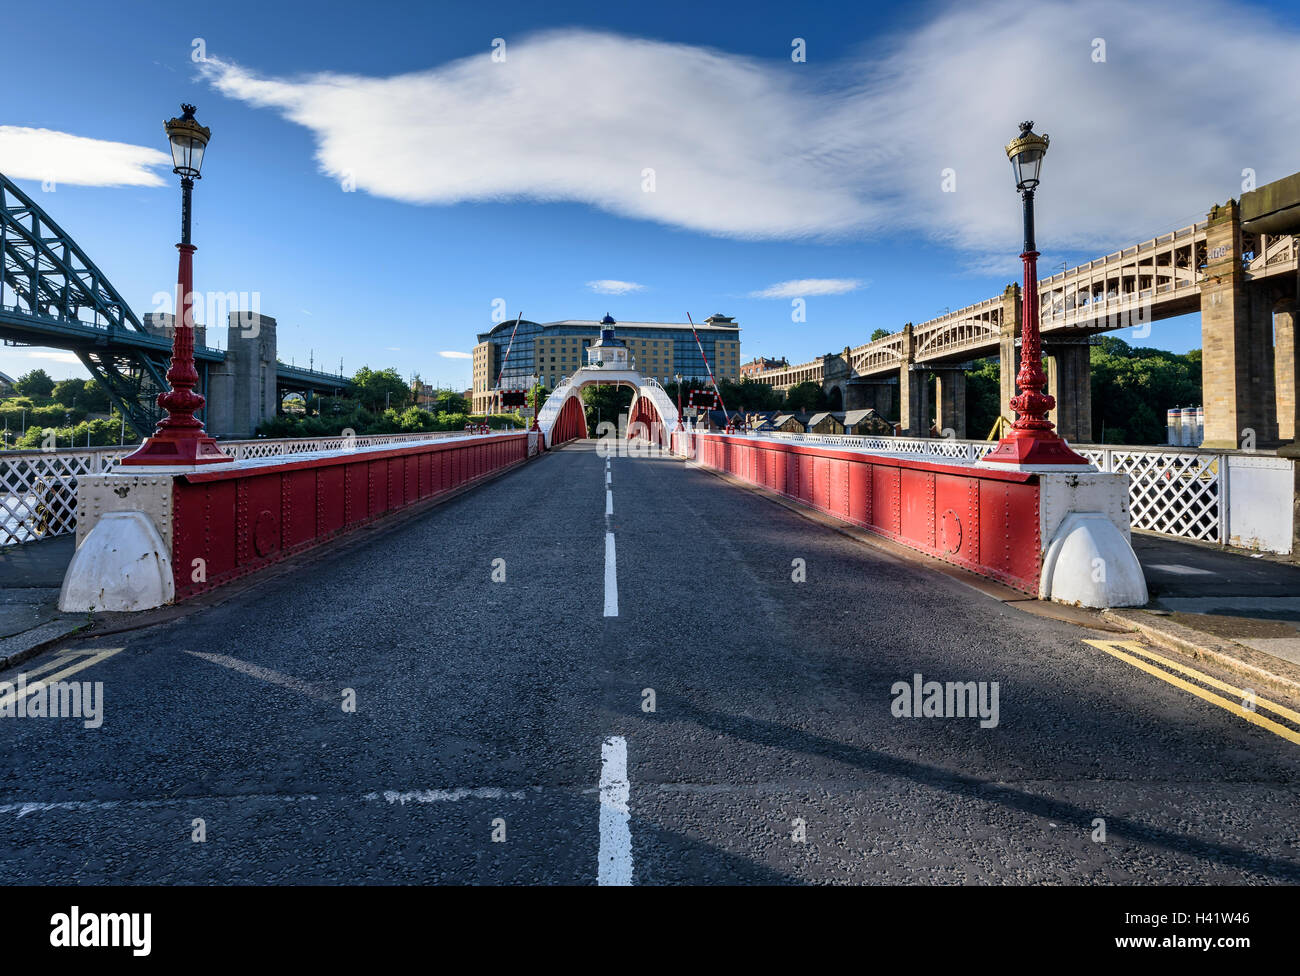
[(26, 807), (447, 796), (611, 577), (615, 866), (608, 479), (402, 797), (609, 502), (269, 676)]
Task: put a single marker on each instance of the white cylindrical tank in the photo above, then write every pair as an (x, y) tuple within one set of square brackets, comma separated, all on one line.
[(1200, 425), (1173, 425)]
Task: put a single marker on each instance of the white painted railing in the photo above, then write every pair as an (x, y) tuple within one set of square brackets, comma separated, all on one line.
[(38, 489)]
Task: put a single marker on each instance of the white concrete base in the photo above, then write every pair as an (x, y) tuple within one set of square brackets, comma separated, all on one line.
[(123, 564), (1090, 563)]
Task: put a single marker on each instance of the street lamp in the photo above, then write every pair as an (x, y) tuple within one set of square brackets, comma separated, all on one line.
[(1032, 442), (537, 380), (677, 378), (180, 438)]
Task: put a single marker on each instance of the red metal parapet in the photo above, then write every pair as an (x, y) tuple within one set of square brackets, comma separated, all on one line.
[(984, 520), (228, 523)]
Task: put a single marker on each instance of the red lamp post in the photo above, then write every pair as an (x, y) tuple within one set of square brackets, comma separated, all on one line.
[(1032, 442), (180, 438), (677, 378)]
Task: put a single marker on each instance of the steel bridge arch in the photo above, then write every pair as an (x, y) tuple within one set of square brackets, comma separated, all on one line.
[(51, 292)]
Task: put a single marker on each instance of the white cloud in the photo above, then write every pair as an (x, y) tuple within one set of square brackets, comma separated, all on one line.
[(43, 154), (57, 355), (612, 286), (454, 354), (803, 287), (762, 149)]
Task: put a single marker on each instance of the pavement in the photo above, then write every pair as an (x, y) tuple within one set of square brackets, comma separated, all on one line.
[(1228, 604), (672, 680), (30, 578)]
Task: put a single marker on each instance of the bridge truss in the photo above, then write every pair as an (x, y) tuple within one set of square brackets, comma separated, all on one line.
[(53, 295)]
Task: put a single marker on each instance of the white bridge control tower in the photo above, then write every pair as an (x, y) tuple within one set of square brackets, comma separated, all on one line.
[(608, 362)]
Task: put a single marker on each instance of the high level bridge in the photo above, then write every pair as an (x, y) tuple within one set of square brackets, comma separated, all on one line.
[(1238, 268)]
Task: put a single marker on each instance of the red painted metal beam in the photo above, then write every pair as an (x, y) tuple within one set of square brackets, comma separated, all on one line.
[(983, 520)]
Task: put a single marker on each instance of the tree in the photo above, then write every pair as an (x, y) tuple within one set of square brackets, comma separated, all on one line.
[(450, 402), (806, 396), (983, 397), (605, 404), (381, 389), (880, 334), (1133, 387), (536, 396), (95, 398), (36, 383)]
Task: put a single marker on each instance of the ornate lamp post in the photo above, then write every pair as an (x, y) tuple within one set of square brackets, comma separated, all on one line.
[(180, 438), (677, 378), (1032, 442), (537, 407)]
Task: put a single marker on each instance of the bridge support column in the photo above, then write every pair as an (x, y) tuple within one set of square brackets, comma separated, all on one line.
[(1287, 371), (1008, 353), (1237, 373), (244, 388), (881, 399), (914, 400), (1069, 380), (914, 414), (950, 400)]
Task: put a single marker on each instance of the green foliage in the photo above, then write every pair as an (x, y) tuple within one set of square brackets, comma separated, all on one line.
[(381, 389), (880, 334), (605, 404), (94, 397), (37, 383), (983, 397), (102, 433), (807, 396), (536, 396), (361, 421), (53, 415), (1133, 386), (450, 402)]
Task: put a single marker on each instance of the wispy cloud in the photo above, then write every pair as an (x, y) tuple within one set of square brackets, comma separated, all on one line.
[(612, 286), (455, 354), (60, 157), (764, 149), (803, 287)]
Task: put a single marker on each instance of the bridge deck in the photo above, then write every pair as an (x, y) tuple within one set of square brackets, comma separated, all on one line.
[(479, 700)]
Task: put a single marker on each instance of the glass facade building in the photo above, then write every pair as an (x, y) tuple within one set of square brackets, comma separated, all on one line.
[(505, 357)]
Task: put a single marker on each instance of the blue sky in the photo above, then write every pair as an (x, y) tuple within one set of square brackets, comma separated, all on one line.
[(523, 179)]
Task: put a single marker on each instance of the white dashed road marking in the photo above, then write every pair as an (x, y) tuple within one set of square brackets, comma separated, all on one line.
[(615, 866)]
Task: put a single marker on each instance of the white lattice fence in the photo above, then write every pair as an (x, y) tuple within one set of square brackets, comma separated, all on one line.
[(1170, 492), (38, 491)]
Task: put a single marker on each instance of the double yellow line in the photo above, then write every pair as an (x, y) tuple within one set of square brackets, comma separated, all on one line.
[(34, 680), (1118, 648)]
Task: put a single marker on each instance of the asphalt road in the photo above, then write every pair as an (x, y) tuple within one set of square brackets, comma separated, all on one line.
[(772, 754)]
